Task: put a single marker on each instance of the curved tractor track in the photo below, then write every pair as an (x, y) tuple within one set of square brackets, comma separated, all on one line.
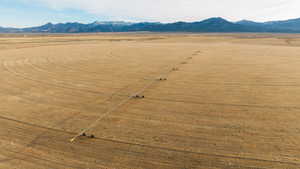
[(152, 101)]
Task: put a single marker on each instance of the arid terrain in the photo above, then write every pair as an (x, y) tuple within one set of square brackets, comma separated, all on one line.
[(229, 101)]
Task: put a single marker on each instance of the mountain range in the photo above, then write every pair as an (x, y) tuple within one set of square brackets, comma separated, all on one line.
[(215, 24)]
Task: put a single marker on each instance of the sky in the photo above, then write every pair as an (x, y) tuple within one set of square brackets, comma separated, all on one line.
[(25, 13)]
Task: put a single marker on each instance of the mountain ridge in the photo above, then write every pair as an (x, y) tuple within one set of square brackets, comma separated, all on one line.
[(214, 24)]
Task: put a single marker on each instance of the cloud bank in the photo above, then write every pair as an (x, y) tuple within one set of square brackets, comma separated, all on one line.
[(180, 10)]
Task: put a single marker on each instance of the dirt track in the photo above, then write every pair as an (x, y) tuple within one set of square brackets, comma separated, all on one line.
[(232, 103)]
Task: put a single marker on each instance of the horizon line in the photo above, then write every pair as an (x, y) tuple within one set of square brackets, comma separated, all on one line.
[(136, 22)]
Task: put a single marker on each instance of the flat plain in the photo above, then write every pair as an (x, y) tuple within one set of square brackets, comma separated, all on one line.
[(229, 101)]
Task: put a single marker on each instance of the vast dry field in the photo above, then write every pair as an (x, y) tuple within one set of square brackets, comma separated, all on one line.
[(229, 102)]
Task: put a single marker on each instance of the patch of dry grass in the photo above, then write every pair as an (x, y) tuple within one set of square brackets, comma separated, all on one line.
[(231, 103)]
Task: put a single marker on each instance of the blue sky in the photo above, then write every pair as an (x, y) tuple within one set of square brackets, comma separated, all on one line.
[(23, 13)]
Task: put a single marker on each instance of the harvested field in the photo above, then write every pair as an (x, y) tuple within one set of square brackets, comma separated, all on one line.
[(224, 101)]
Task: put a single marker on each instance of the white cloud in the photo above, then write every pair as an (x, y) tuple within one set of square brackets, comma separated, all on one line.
[(175, 10)]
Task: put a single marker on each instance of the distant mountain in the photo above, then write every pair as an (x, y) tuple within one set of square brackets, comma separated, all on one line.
[(78, 27), (57, 28), (8, 30), (248, 23), (292, 24), (289, 26), (216, 24), (209, 25), (118, 23)]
